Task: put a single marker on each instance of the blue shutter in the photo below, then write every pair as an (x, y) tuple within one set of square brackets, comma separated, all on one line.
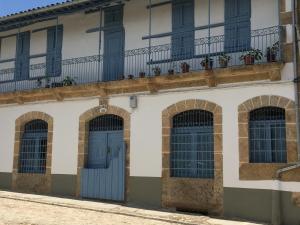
[(54, 51), (237, 25), (22, 56), (183, 29)]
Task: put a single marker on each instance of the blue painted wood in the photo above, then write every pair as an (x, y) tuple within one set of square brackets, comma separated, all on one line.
[(54, 50), (183, 35), (237, 25), (114, 44), (192, 152), (22, 56), (107, 181)]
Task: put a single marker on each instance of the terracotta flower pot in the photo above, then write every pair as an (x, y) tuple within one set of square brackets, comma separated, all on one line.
[(271, 57), (249, 60)]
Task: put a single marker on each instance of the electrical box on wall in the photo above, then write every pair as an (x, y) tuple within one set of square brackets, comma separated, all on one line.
[(133, 101)]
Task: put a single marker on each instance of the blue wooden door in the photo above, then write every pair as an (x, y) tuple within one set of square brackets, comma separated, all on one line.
[(54, 50), (22, 56), (237, 25), (113, 60), (183, 29), (104, 177)]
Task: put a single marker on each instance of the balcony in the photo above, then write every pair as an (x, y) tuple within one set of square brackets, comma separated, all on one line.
[(207, 54)]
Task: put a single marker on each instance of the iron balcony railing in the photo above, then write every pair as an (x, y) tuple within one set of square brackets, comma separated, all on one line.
[(207, 53)]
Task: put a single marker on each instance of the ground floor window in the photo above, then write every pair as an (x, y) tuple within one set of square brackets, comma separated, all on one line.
[(267, 135), (33, 151), (192, 145)]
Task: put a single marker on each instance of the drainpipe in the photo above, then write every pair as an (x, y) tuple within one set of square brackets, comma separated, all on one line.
[(276, 194)]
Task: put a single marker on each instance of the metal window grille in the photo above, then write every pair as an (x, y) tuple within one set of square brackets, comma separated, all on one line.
[(267, 134), (33, 152), (106, 123), (103, 130), (192, 145)]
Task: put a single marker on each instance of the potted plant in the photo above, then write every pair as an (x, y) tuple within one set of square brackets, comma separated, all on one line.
[(207, 63), (185, 67), (130, 76), (157, 71), (39, 82), (250, 56), (68, 81), (170, 71), (271, 52), (223, 60), (142, 74)]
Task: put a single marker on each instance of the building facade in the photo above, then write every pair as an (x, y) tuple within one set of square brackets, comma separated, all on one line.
[(185, 104)]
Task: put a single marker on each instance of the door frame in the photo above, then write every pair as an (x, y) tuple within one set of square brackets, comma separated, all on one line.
[(83, 141)]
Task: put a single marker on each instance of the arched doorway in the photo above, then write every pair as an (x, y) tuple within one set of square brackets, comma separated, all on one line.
[(103, 176)]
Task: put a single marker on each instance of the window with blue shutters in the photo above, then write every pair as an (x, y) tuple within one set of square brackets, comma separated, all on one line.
[(54, 50), (237, 25), (33, 149), (183, 35), (192, 145), (267, 135), (22, 56)]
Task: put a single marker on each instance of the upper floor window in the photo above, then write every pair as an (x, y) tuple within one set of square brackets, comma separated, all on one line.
[(237, 25), (267, 135), (33, 151), (192, 145)]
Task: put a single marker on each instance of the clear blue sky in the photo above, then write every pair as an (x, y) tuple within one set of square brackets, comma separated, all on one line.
[(13, 6)]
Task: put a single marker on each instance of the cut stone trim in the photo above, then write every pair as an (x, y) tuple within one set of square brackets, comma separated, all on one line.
[(83, 139), (25, 182), (204, 195), (265, 171), (296, 199)]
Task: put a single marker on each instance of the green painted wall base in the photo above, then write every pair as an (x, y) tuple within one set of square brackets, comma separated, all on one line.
[(5, 180), (64, 185), (256, 205), (145, 191)]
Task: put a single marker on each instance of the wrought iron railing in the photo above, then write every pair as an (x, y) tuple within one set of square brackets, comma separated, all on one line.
[(207, 53)]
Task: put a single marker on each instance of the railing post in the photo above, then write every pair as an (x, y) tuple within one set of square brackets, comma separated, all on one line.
[(149, 40), (100, 45)]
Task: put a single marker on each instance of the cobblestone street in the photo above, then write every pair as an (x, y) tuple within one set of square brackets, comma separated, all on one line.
[(25, 209)]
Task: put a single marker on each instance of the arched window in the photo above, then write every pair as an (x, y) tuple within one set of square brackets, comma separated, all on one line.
[(267, 135), (105, 138), (192, 145), (33, 151)]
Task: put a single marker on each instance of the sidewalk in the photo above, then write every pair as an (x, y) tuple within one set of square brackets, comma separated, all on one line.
[(25, 209)]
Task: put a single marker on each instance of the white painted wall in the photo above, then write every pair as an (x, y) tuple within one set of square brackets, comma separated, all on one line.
[(146, 128), (77, 43)]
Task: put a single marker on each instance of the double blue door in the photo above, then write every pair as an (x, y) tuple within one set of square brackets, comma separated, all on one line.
[(104, 177)]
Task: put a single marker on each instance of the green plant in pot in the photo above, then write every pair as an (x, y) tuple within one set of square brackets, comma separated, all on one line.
[(223, 60), (157, 71), (207, 63), (39, 82), (185, 67), (68, 81), (251, 56), (271, 52)]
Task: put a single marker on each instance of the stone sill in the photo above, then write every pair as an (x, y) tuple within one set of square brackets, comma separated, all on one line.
[(211, 78), (267, 171)]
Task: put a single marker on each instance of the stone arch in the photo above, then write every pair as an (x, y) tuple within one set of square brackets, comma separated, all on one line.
[(83, 138), (186, 193), (37, 183), (264, 171)]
